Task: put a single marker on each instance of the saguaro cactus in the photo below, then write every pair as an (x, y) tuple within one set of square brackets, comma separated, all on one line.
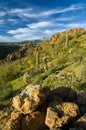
[(66, 43), (37, 49), (45, 58)]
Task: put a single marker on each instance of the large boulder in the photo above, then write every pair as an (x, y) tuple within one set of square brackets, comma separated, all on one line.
[(66, 94), (30, 98), (60, 114)]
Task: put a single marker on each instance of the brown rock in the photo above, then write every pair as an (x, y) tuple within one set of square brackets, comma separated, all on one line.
[(74, 32), (30, 98), (60, 114), (55, 38), (33, 121)]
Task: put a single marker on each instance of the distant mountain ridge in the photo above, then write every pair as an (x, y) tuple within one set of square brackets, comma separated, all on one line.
[(9, 48), (22, 42)]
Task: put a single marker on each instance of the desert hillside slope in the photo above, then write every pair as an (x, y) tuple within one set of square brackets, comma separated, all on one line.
[(60, 61)]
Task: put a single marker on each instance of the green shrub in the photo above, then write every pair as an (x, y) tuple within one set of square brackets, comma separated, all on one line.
[(6, 91)]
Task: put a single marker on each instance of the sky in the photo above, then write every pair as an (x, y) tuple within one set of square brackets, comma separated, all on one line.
[(22, 20)]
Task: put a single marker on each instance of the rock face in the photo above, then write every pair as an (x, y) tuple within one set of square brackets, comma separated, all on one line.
[(30, 98), (60, 114), (39, 108)]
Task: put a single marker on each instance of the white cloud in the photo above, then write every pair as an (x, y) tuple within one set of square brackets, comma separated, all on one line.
[(17, 31), (39, 24), (13, 20), (76, 25), (19, 10), (30, 12), (2, 13), (2, 21), (36, 30), (50, 32), (65, 18), (7, 39)]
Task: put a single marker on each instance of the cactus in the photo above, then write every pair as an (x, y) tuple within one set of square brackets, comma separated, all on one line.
[(37, 59), (45, 61), (66, 39), (37, 49)]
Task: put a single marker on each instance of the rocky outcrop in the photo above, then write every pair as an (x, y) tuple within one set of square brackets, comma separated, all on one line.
[(60, 114), (30, 98), (61, 37), (39, 108)]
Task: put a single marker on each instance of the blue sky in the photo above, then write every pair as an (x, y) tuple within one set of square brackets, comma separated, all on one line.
[(33, 19)]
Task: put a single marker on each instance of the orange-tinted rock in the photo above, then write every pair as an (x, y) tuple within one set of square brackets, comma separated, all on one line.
[(30, 98), (59, 114)]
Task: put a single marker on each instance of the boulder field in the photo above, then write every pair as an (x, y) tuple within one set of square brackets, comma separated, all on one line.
[(39, 108)]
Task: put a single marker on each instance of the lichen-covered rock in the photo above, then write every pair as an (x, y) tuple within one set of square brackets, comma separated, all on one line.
[(66, 94), (33, 121), (30, 98), (14, 123), (59, 114)]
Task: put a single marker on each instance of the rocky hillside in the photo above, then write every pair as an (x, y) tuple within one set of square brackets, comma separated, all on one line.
[(55, 64), (69, 34)]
